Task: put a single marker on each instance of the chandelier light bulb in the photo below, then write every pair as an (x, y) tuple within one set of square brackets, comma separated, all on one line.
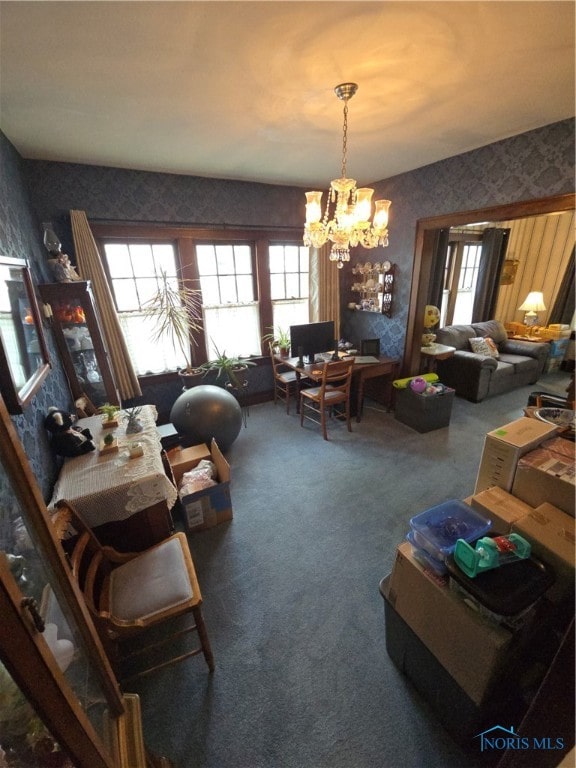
[(346, 221)]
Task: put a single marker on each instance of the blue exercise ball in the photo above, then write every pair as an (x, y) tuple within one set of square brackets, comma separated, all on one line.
[(205, 412)]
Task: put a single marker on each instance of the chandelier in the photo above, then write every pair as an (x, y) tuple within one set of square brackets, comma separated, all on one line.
[(346, 221)]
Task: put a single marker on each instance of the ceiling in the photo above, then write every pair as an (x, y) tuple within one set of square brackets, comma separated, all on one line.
[(244, 90)]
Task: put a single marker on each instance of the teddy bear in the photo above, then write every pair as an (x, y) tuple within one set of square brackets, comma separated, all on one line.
[(67, 440)]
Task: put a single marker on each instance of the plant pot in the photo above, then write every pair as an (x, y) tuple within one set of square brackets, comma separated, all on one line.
[(134, 426), (191, 378)]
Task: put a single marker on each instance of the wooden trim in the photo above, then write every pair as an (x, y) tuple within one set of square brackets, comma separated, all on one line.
[(423, 251), (38, 679)]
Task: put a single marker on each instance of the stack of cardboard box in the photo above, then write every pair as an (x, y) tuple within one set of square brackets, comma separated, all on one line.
[(473, 670)]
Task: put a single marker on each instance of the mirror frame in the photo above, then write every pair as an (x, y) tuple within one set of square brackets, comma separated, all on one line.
[(425, 237), (17, 399)]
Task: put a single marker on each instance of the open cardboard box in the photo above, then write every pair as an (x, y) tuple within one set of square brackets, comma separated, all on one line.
[(211, 506)]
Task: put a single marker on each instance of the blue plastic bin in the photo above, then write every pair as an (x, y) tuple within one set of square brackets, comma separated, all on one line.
[(438, 529)]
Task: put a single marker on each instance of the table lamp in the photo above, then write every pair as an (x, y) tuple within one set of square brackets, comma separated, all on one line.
[(533, 304), (431, 318)]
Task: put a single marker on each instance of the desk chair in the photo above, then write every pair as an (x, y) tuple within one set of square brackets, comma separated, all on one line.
[(285, 382), (129, 593), (334, 390), (370, 347)]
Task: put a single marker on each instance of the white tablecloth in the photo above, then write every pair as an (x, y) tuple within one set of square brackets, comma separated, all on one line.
[(112, 486)]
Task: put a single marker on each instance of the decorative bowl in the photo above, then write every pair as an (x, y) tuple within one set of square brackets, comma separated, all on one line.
[(560, 417)]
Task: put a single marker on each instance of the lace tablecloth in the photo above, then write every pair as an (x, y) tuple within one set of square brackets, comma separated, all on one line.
[(110, 487)]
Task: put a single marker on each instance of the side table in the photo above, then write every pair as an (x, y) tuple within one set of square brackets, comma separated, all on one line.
[(436, 352)]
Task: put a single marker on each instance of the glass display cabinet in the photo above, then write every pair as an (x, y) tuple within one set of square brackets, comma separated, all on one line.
[(374, 284), (60, 703), (82, 349)]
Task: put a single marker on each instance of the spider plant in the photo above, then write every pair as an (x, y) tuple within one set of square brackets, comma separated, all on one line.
[(175, 309)]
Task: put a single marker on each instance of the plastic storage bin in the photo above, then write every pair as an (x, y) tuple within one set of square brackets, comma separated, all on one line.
[(507, 591), (425, 559), (438, 529), (423, 413)]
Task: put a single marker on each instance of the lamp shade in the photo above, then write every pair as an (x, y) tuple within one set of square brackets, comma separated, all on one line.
[(534, 302)]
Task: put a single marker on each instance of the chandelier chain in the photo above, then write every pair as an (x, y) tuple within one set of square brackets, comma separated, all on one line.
[(345, 139)]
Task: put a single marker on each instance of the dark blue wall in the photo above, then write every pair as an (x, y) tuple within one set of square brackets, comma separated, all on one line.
[(526, 167), (529, 166)]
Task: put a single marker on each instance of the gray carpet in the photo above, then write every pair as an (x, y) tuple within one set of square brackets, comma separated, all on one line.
[(291, 597)]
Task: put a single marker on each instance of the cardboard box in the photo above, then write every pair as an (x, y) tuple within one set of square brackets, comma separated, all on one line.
[(472, 650), (183, 459), (546, 476), (461, 717), (212, 506), (551, 532), (504, 446), (500, 507)]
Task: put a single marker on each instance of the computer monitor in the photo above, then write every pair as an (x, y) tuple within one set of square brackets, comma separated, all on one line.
[(312, 338)]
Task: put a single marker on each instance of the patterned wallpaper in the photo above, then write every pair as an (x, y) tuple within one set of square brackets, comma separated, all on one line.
[(532, 165), (20, 237)]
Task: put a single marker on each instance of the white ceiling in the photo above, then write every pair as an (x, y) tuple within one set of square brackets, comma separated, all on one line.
[(244, 90)]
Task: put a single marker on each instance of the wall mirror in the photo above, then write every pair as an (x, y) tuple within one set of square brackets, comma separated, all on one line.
[(24, 361), (427, 231)]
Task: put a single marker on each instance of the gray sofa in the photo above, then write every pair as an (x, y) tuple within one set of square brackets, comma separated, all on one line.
[(475, 376)]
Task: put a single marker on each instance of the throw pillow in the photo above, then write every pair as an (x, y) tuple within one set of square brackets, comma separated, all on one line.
[(493, 346), (485, 347)]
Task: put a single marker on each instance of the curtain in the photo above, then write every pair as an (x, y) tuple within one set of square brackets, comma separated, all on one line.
[(438, 266), (90, 267), (563, 309), (324, 288), (494, 244)]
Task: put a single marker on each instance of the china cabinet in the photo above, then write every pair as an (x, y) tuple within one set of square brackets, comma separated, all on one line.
[(60, 703), (82, 349)]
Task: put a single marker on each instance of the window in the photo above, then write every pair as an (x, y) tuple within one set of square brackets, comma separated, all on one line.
[(250, 281), (460, 276), (229, 306), (133, 269), (289, 284)]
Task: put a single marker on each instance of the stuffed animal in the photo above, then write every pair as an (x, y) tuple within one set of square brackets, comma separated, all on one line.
[(66, 439)]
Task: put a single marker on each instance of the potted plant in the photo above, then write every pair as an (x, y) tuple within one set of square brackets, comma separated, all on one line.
[(134, 424), (231, 367), (280, 340), (176, 311), (110, 412)]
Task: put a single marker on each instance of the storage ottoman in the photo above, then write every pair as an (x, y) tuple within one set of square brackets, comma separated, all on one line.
[(424, 412)]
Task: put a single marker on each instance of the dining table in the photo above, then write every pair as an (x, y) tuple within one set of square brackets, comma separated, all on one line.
[(125, 494)]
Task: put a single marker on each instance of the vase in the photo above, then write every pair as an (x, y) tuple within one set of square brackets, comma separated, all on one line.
[(134, 426)]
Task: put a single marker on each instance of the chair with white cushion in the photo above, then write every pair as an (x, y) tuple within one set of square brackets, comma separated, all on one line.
[(130, 593)]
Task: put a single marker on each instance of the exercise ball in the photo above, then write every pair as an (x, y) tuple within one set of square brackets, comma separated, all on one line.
[(418, 385), (205, 412)]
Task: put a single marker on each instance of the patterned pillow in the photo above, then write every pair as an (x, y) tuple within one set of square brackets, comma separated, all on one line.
[(485, 347)]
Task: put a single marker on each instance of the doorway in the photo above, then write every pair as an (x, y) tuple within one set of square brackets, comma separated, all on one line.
[(427, 232)]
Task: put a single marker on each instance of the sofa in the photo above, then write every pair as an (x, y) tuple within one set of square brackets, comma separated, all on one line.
[(503, 365)]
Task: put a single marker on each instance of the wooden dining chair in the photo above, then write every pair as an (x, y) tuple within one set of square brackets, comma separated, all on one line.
[(317, 403), (130, 593), (286, 382)]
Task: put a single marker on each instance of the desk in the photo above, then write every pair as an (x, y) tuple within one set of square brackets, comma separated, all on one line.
[(127, 501), (384, 368)]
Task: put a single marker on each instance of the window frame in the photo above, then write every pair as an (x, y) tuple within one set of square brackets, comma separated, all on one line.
[(184, 240)]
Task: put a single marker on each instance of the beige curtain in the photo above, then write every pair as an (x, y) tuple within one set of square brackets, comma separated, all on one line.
[(90, 268), (324, 288)]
